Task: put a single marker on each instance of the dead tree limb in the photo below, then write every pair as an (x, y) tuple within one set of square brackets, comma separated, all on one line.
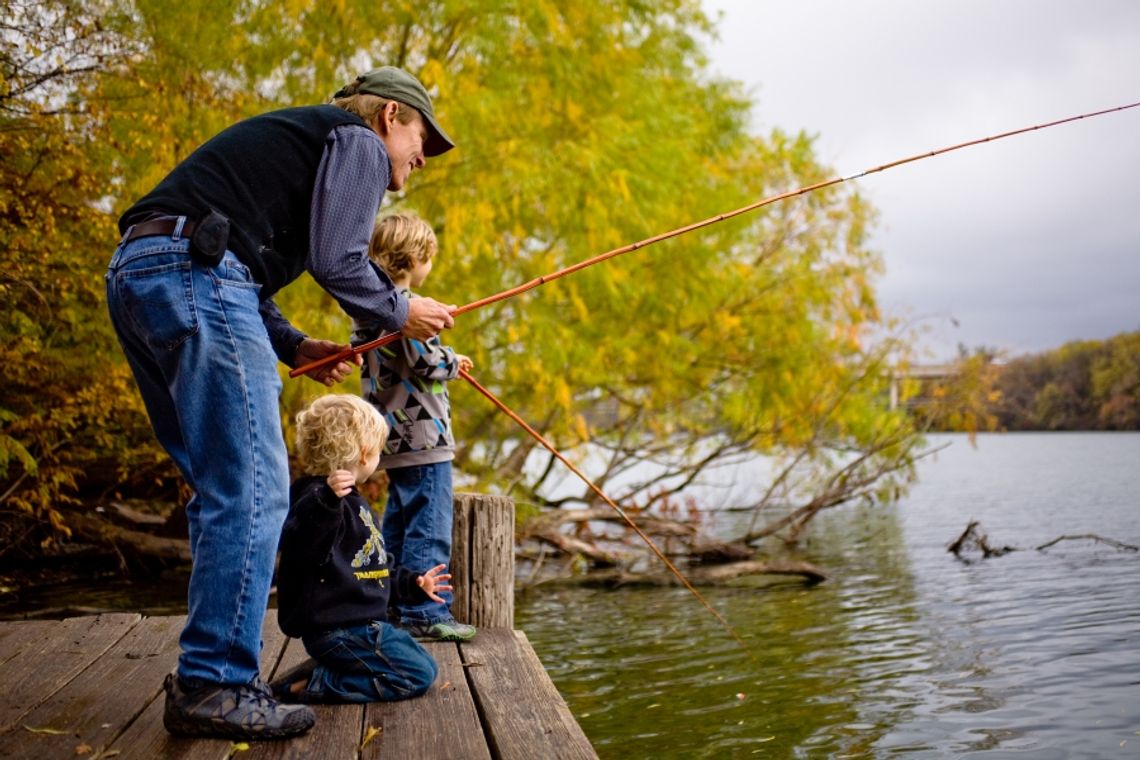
[(972, 537), (709, 574), (1091, 537), (135, 543), (571, 545), (697, 546), (615, 563)]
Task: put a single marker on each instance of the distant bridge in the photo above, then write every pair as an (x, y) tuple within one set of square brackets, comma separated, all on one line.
[(918, 372)]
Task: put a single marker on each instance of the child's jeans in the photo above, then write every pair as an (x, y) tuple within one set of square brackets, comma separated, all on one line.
[(417, 530), (374, 662)]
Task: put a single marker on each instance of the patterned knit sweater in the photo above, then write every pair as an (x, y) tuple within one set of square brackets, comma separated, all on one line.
[(407, 382)]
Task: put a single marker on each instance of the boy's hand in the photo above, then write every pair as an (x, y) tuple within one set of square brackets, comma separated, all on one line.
[(434, 581), (341, 482), (465, 362)]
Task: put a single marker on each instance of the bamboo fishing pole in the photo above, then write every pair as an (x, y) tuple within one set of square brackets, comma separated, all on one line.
[(384, 340), (612, 504)]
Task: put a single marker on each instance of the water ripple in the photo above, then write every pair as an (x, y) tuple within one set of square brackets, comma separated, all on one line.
[(906, 651)]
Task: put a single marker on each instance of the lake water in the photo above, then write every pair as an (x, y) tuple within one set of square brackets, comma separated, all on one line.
[(906, 650)]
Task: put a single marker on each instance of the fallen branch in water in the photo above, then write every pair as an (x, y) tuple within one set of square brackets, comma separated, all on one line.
[(1091, 537), (132, 546), (973, 538), (705, 575), (591, 535)]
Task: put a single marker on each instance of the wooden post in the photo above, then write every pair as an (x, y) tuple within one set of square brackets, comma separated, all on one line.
[(483, 560)]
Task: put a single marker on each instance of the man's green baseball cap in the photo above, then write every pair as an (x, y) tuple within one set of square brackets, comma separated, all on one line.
[(396, 84)]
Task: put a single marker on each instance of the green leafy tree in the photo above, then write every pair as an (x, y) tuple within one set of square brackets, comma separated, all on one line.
[(581, 127)]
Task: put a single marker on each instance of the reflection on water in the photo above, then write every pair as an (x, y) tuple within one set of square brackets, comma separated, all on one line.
[(906, 650), (163, 594)]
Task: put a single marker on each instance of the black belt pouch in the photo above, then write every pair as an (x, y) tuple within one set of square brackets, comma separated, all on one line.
[(211, 235)]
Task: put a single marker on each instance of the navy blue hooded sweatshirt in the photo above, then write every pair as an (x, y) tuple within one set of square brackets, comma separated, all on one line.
[(334, 571)]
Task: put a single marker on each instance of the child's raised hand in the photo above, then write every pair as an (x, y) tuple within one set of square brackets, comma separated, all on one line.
[(341, 482), (434, 581), (465, 363)]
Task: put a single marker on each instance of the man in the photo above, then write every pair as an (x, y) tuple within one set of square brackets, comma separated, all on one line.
[(190, 291)]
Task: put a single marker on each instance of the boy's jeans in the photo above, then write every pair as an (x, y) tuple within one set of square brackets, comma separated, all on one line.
[(367, 663), (208, 375), (417, 530)]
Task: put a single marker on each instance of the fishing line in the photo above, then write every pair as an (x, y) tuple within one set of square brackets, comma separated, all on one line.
[(613, 505), (385, 340)]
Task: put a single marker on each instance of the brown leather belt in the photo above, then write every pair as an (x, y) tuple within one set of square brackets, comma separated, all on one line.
[(164, 226)]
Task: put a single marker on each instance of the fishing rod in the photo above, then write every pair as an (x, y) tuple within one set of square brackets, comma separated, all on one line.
[(391, 337), (612, 504)]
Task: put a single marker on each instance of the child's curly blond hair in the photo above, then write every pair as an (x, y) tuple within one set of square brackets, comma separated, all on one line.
[(336, 431), (400, 242)]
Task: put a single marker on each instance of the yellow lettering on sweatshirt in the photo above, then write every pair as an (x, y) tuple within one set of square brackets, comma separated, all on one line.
[(371, 574)]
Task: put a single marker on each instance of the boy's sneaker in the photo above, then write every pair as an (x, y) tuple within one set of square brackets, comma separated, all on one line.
[(441, 630), (282, 685), (239, 712)]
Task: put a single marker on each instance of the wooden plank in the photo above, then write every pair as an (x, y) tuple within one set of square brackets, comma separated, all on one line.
[(440, 725), (59, 654), (92, 709), (18, 635), (146, 738), (524, 716), (494, 685)]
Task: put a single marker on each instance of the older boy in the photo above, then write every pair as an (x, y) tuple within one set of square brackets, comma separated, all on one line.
[(407, 382)]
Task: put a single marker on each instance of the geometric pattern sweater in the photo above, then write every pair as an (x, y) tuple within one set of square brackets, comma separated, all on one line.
[(407, 382)]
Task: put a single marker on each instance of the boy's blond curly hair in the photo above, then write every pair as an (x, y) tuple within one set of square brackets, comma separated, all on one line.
[(400, 242), (335, 431)]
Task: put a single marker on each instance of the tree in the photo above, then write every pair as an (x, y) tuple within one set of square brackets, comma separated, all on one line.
[(581, 126), (1082, 385), (68, 417), (1116, 383)]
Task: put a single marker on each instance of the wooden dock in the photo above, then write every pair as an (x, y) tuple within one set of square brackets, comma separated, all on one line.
[(91, 687)]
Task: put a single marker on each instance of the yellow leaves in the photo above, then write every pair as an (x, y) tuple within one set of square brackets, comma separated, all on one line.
[(581, 310), (44, 730), (726, 324), (581, 428), (562, 395), (434, 76), (574, 111), (370, 734), (56, 520)]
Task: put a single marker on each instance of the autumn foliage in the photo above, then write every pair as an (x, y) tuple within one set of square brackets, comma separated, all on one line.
[(580, 127)]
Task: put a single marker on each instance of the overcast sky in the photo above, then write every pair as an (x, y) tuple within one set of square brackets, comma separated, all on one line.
[(1028, 242)]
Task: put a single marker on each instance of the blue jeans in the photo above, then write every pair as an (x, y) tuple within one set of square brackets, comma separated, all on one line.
[(417, 530), (208, 376), (367, 663)]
